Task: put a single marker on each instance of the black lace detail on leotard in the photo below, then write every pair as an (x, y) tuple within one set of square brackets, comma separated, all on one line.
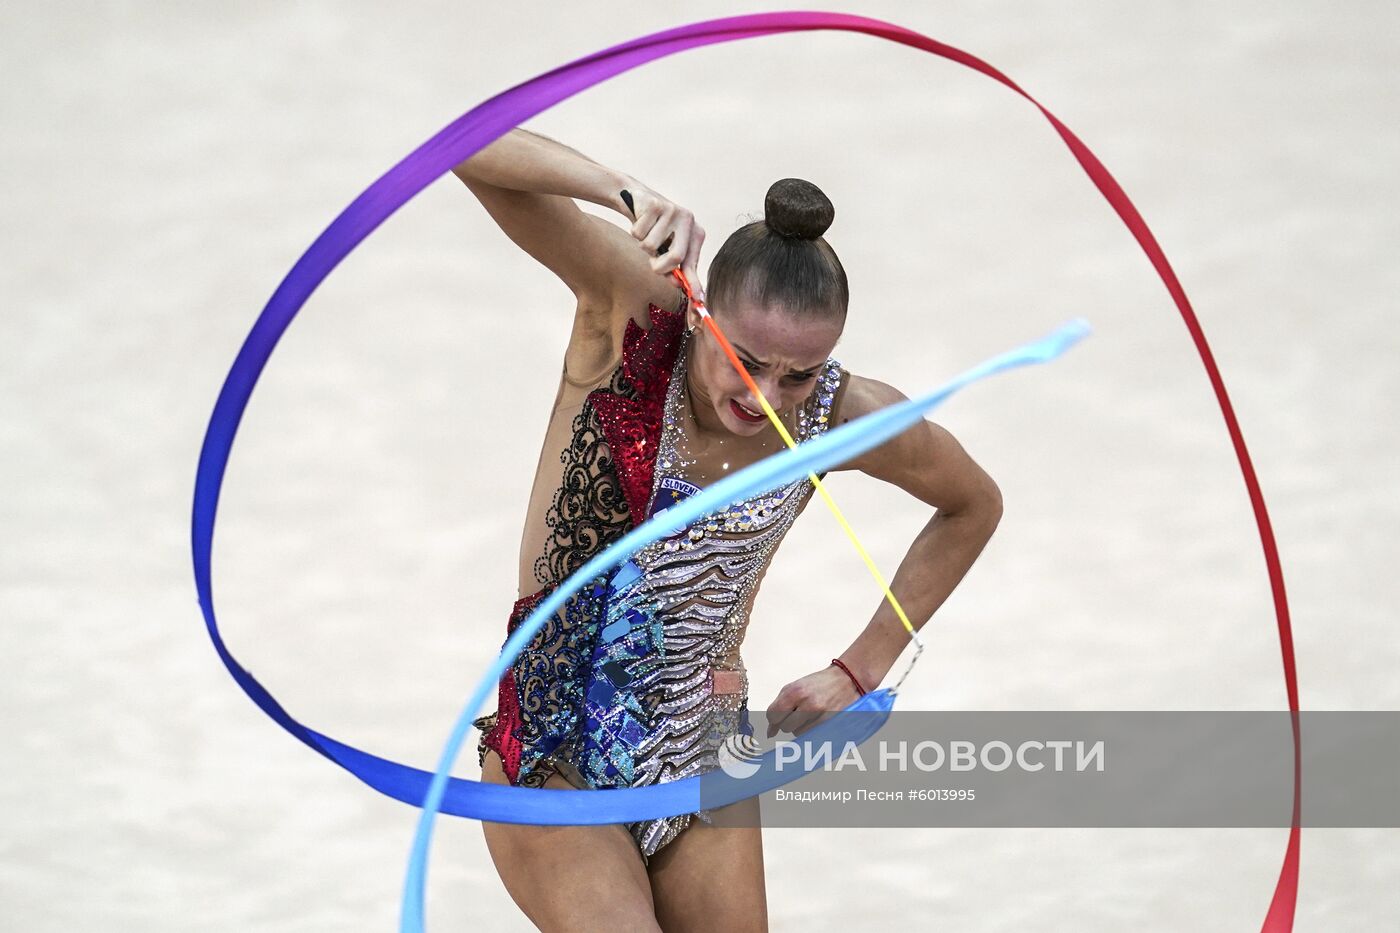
[(589, 510), (593, 507)]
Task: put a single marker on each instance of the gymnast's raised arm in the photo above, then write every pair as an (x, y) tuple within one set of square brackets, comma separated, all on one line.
[(528, 184)]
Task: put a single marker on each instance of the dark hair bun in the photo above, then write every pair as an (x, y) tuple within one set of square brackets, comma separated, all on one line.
[(797, 208)]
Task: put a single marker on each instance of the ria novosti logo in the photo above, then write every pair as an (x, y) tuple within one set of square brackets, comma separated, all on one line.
[(740, 756)]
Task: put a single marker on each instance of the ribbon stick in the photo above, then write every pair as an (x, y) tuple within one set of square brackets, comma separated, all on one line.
[(817, 483), (478, 128)]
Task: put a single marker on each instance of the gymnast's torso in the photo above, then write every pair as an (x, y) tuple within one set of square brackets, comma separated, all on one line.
[(638, 677)]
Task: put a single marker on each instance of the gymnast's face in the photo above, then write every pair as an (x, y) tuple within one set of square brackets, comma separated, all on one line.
[(784, 355)]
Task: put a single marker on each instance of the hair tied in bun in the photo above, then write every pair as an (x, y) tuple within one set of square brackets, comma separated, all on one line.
[(797, 209)]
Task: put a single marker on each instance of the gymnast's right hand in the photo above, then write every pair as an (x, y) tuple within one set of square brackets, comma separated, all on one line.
[(668, 232)]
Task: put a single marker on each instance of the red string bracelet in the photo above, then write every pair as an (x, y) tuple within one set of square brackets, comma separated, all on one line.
[(859, 689)]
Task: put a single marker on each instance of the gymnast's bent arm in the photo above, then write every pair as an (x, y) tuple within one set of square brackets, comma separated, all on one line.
[(927, 462), (528, 184)]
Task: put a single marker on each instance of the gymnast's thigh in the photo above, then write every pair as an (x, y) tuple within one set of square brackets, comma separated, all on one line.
[(710, 877), (576, 878)]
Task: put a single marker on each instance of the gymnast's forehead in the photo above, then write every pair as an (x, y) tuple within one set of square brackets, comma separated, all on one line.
[(773, 335)]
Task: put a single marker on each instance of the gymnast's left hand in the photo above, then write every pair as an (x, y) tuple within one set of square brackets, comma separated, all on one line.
[(808, 701)]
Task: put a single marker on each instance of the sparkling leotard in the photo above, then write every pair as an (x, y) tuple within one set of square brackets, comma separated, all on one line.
[(637, 679)]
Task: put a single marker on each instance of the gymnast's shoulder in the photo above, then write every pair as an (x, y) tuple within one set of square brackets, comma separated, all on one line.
[(926, 460), (860, 395)]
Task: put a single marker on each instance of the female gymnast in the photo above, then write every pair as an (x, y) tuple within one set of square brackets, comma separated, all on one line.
[(638, 677)]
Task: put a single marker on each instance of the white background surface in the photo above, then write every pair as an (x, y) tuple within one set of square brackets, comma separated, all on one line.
[(167, 163)]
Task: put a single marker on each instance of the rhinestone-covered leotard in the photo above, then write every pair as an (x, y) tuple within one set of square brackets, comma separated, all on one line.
[(638, 679)]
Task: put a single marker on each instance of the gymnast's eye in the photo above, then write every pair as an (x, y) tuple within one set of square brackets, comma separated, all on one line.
[(799, 378), (751, 366)]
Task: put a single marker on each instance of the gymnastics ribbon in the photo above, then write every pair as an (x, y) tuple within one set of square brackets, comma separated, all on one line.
[(488, 121)]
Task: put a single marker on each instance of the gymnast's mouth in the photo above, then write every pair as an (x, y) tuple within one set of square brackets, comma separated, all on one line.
[(745, 414)]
